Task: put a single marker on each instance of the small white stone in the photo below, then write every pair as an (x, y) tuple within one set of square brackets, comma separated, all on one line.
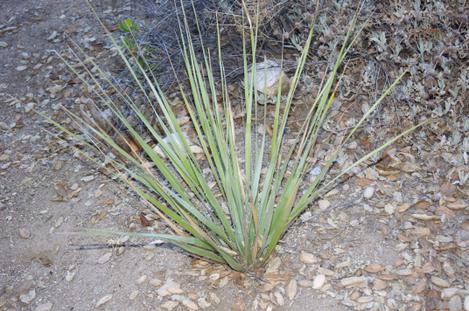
[(142, 279), (447, 293), (88, 178), (52, 36), (59, 221), (315, 171), (455, 303), (215, 299), (29, 107), (319, 281), (353, 145), (170, 288), (70, 275), (21, 68), (368, 192), (389, 209), (28, 297), (133, 295), (203, 303), (306, 216), (196, 149), (24, 233), (190, 304), (466, 303), (323, 204)]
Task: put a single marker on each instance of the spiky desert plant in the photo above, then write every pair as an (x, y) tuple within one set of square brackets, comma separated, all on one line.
[(260, 181)]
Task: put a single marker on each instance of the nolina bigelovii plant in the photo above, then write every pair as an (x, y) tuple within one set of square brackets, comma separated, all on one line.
[(260, 182)]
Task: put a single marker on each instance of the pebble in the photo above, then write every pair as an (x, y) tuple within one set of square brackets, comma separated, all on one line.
[(214, 276), (215, 299), (190, 304), (103, 300), (21, 68), (155, 282), (368, 192), (69, 275), (3, 44), (389, 209), (196, 149), (323, 204), (455, 303), (439, 282), (133, 295), (29, 107), (44, 307), (319, 281), (353, 281), (105, 258), (308, 258), (88, 178), (203, 303), (466, 303), (170, 288), (52, 36), (24, 233), (141, 279), (353, 145), (4, 126), (28, 297), (58, 222), (306, 216), (279, 298), (449, 292)]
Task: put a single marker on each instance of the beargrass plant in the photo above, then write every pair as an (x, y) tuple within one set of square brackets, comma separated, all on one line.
[(258, 182)]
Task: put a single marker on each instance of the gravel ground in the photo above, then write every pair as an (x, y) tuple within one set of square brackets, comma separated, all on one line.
[(393, 237)]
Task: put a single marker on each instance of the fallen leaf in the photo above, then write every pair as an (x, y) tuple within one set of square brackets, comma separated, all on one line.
[(291, 289), (424, 217), (458, 205), (353, 281), (374, 268), (103, 300), (379, 284), (144, 221)]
